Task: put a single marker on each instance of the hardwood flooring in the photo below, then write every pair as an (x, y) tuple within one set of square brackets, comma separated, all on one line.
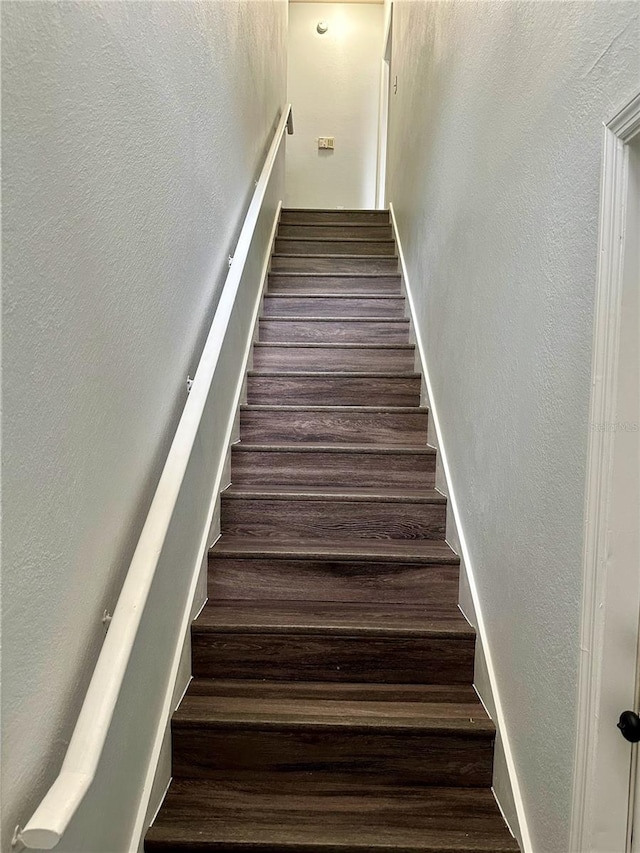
[(332, 707)]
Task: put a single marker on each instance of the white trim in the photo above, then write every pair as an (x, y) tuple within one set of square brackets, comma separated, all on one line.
[(383, 110), (50, 820), (140, 825), (499, 718), (618, 132)]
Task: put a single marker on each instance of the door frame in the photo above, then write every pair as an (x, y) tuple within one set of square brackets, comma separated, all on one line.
[(600, 813), (383, 115)]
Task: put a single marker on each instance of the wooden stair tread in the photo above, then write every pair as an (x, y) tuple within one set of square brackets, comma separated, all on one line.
[(268, 423), (390, 410), (359, 230), (314, 319), (331, 346), (305, 816), (333, 262), (390, 450), (323, 274), (341, 213), (352, 374), (374, 224), (335, 691), (320, 295), (324, 493), (210, 702), (313, 617), (376, 211), (337, 255), (305, 274), (312, 239), (420, 552)]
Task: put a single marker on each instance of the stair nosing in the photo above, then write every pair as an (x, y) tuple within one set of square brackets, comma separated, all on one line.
[(330, 255), (335, 239), (334, 224), (230, 683), (336, 345), (484, 729), (284, 493), (307, 223), (324, 274), (399, 410), (352, 374), (376, 210), (334, 296), (386, 449), (434, 631), (301, 294), (221, 550), (307, 319)]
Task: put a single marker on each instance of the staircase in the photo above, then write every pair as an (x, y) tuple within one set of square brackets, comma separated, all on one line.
[(332, 707)]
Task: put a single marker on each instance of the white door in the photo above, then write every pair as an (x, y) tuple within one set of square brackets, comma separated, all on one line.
[(606, 778)]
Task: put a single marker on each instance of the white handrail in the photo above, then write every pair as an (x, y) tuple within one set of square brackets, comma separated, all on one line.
[(50, 820)]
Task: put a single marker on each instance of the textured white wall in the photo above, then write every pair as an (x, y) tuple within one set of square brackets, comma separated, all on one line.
[(494, 167), (334, 81), (132, 134)]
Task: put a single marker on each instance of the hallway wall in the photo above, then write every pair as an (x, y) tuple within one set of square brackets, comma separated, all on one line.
[(494, 169), (333, 85), (132, 135)]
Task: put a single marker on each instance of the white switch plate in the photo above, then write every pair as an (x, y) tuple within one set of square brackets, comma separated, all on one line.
[(326, 142)]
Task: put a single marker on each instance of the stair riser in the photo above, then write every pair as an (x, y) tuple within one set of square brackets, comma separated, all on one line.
[(281, 283), (324, 580), (381, 757), (286, 246), (384, 428), (333, 390), (343, 306), (337, 232), (333, 332), (317, 657), (355, 264), (327, 360), (332, 469), (292, 520), (379, 217)]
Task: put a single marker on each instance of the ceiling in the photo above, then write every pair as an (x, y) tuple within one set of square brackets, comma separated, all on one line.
[(378, 2)]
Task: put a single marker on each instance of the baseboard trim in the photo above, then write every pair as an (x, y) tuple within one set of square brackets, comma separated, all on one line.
[(505, 784), (158, 775)]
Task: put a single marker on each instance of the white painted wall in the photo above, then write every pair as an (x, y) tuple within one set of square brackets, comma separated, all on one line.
[(494, 167), (333, 85), (132, 134)]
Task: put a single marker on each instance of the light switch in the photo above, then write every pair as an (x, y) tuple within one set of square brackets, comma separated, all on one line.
[(326, 142)]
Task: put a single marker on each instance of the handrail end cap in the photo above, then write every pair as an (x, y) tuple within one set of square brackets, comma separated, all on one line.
[(36, 839)]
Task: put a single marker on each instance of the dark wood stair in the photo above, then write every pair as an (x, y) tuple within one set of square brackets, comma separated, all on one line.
[(322, 358), (279, 817), (335, 263), (356, 283), (362, 305), (332, 707), (334, 330), (385, 425), (334, 465), (361, 230)]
